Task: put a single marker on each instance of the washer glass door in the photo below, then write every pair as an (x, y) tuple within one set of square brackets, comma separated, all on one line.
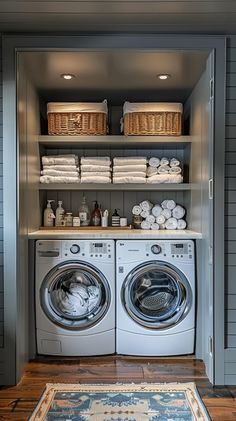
[(156, 295), (75, 295)]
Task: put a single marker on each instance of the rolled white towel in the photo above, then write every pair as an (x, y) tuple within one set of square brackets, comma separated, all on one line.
[(54, 179), (160, 219), (164, 204), (166, 213), (158, 179), (95, 173), (155, 226), (156, 210), (131, 174), (162, 226), (128, 180), (171, 224), (145, 225), (95, 168), (136, 210), (163, 169), (181, 224), (95, 180), (151, 171), (170, 204), (145, 213), (105, 161), (130, 160), (175, 170), (129, 168), (63, 168), (154, 162), (69, 159), (146, 205), (151, 219), (175, 178), (164, 161), (174, 162), (178, 212)]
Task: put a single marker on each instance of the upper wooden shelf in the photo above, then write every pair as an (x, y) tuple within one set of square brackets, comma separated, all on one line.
[(119, 187), (112, 142)]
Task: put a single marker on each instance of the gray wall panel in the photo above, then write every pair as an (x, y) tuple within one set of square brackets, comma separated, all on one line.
[(230, 208), (1, 203)]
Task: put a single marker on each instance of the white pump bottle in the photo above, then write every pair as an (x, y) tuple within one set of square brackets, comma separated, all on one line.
[(48, 216), (59, 214)]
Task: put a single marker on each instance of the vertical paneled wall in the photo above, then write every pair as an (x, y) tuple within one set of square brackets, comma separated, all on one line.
[(1, 206), (230, 214)]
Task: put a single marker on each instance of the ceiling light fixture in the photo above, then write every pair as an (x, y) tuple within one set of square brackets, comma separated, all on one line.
[(67, 76), (163, 76)]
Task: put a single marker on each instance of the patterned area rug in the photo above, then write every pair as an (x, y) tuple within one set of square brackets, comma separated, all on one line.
[(115, 402)]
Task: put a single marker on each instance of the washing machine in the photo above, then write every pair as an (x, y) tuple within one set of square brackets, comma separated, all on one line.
[(75, 297), (155, 297)]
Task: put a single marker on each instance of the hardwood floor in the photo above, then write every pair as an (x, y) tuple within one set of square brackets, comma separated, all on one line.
[(17, 403)]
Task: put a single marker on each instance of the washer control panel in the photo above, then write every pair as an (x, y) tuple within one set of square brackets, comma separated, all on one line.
[(89, 249)]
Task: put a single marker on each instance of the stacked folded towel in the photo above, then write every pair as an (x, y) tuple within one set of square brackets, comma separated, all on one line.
[(167, 215), (60, 169), (129, 170), (96, 169), (164, 171)]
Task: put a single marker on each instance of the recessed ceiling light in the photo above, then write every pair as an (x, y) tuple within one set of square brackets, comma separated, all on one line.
[(67, 76), (163, 76)]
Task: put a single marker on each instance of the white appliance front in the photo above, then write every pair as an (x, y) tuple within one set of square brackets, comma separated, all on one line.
[(75, 297), (155, 297)]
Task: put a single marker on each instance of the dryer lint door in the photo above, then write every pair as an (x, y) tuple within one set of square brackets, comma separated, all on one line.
[(156, 295), (75, 295)]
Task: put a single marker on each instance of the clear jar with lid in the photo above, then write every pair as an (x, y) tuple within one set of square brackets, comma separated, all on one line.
[(68, 219)]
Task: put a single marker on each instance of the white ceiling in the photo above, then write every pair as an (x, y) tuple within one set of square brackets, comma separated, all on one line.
[(172, 16), (115, 73)]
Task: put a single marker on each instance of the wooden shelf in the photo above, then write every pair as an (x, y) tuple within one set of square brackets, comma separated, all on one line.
[(118, 187), (111, 142), (114, 234)]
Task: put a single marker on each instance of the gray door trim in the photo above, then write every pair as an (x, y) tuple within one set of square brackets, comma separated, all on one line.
[(13, 44)]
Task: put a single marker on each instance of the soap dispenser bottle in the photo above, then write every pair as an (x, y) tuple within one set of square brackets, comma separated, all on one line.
[(48, 216), (84, 213), (60, 212), (96, 215)]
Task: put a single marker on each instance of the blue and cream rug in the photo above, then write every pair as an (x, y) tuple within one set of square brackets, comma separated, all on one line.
[(116, 402)]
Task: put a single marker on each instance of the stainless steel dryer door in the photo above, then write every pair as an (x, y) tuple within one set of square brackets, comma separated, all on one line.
[(75, 295), (156, 295)]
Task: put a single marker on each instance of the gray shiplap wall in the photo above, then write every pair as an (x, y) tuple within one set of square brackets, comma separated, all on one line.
[(1, 207), (230, 214)]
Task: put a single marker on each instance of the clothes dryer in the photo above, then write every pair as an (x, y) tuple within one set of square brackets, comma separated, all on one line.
[(155, 297), (75, 297)]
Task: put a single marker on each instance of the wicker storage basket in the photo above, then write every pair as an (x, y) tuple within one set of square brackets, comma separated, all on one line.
[(66, 118), (163, 119)]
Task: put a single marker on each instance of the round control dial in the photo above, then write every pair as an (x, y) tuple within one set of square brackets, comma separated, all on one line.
[(156, 249), (75, 249)]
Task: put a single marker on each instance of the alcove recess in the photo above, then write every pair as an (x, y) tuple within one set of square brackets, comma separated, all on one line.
[(116, 76)]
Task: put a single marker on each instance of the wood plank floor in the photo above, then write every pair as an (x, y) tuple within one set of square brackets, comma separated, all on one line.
[(17, 403)]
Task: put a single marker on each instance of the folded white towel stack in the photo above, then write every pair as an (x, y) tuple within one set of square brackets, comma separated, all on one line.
[(167, 215), (129, 170), (164, 171), (95, 169), (60, 169)]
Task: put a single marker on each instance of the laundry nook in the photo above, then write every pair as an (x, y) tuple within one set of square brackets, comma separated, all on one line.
[(114, 235)]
